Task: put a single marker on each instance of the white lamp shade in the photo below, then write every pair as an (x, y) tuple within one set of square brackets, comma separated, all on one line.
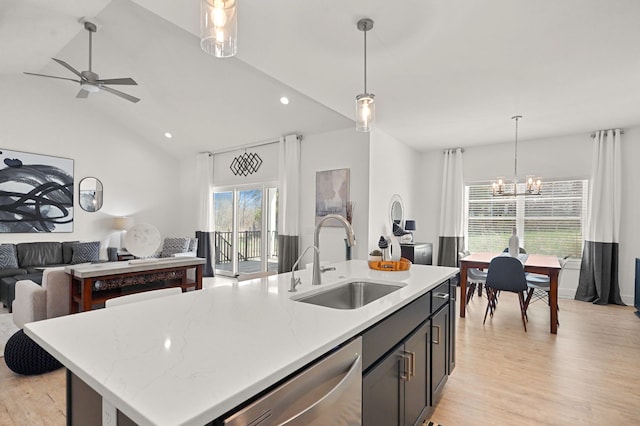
[(122, 223), (365, 112), (219, 27)]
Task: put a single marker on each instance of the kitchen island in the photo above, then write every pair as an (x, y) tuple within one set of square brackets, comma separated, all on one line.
[(190, 358)]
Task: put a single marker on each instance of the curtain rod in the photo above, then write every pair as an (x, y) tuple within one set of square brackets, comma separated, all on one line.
[(453, 149), (238, 148), (248, 146), (593, 134)]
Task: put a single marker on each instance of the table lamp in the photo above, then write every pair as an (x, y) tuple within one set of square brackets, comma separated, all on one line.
[(410, 225), (122, 223)]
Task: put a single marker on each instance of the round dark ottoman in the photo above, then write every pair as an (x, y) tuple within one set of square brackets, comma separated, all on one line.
[(24, 356)]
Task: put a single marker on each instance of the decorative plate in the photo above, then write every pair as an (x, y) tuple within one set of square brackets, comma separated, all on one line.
[(142, 240)]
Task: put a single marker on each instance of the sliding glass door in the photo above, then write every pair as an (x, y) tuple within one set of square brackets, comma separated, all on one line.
[(246, 231)]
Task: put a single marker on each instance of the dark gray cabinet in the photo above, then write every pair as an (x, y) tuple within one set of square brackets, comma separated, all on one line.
[(418, 253), (383, 391), (407, 358), (439, 351), (395, 391), (453, 309)]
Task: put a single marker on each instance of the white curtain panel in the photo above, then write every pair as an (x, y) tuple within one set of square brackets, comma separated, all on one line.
[(451, 209), (603, 222), (204, 172), (288, 202), (205, 222), (598, 282), (452, 197), (289, 185)]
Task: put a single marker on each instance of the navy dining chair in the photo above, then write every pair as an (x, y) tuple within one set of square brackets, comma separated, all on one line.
[(506, 273)]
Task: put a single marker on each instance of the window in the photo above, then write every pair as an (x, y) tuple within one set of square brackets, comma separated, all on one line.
[(551, 223)]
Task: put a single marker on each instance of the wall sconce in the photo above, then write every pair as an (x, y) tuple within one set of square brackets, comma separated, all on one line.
[(219, 27)]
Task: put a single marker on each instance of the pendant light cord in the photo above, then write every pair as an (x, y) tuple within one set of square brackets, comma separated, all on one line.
[(365, 60), (515, 161)]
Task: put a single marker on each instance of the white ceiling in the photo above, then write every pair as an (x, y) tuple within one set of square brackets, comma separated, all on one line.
[(445, 72)]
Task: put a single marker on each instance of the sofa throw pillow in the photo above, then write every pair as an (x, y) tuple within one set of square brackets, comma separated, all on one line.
[(8, 258), (67, 251), (172, 246), (86, 252)]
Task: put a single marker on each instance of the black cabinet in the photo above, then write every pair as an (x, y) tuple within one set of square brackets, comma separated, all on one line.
[(439, 352), (407, 359), (418, 253), (395, 391), (453, 309)]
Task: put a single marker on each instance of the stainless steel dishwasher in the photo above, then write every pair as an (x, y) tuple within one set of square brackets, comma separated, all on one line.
[(328, 392)]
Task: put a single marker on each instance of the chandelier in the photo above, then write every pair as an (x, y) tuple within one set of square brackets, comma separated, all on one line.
[(365, 107), (533, 184)]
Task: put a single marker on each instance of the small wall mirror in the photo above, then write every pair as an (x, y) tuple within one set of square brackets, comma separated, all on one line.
[(90, 194), (396, 211)]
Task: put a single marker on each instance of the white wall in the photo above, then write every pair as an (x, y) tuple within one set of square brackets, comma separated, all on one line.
[(393, 169), (342, 149), (46, 119), (552, 158)]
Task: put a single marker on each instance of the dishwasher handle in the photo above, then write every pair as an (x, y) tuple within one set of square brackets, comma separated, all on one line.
[(330, 397)]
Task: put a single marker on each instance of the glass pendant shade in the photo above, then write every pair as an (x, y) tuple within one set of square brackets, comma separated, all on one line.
[(219, 27), (365, 112)]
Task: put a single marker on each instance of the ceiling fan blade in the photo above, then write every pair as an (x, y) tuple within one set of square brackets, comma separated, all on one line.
[(52, 76), (70, 68), (119, 93), (128, 81), (82, 94)]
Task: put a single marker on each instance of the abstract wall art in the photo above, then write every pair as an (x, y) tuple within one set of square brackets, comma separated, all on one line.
[(36, 193), (332, 194)]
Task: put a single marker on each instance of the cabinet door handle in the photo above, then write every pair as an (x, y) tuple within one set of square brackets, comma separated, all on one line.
[(406, 359), (437, 341), (413, 363), (442, 295)]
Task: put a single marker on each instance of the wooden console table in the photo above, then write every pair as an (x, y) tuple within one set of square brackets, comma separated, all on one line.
[(95, 283)]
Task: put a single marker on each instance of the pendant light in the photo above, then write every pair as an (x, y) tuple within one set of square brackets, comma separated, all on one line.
[(365, 107), (219, 27), (533, 185)]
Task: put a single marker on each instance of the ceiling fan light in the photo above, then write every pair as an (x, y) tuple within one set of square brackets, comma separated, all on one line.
[(365, 112), (219, 27), (91, 88)]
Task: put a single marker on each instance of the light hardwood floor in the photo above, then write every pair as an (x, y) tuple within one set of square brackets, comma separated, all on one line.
[(587, 374)]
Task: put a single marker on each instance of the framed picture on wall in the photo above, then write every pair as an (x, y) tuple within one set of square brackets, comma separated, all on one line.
[(36, 193), (332, 194)]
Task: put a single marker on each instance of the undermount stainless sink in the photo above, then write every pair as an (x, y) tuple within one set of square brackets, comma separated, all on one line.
[(350, 295)]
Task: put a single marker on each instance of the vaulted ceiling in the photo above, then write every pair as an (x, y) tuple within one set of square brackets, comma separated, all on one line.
[(445, 72)]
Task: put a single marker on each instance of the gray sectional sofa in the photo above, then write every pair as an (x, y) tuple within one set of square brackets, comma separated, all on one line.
[(26, 261)]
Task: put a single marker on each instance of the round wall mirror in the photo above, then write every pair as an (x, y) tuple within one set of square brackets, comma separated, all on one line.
[(90, 194), (396, 211)]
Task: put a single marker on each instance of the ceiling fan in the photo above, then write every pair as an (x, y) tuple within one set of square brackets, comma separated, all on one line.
[(89, 81)]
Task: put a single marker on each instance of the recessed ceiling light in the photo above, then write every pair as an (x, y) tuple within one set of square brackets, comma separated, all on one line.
[(284, 100), (168, 135)]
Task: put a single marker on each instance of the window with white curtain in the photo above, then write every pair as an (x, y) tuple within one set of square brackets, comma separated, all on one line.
[(551, 223)]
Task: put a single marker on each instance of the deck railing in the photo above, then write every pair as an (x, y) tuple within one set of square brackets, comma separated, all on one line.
[(249, 245)]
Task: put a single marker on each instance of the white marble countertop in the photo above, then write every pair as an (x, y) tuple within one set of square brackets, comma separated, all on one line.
[(89, 270), (189, 358)]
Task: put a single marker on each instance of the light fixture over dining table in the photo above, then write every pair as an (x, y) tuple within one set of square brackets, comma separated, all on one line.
[(533, 184)]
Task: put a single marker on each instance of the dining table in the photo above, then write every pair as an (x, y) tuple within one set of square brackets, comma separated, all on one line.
[(534, 263)]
